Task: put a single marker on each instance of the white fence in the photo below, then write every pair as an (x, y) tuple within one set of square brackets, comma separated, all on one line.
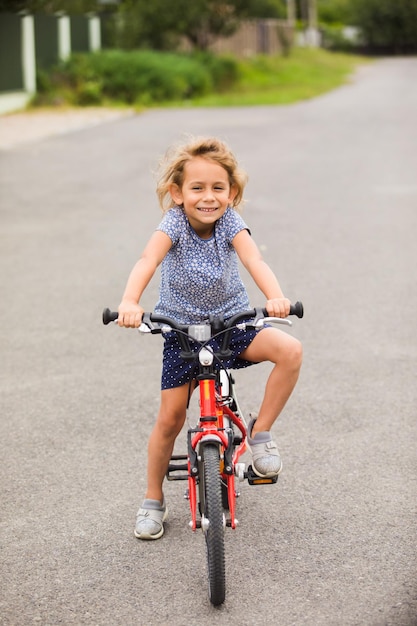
[(28, 42)]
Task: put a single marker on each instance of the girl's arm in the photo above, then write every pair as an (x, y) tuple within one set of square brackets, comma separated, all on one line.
[(130, 311), (248, 252)]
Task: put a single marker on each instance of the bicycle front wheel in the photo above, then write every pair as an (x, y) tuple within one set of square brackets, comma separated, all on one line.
[(214, 524)]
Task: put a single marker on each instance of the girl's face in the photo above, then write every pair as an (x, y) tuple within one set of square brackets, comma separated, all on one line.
[(205, 194)]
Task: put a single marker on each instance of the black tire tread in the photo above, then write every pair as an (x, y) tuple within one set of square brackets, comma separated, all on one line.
[(213, 510)]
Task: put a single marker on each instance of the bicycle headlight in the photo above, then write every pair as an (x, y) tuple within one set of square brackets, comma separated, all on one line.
[(205, 356)]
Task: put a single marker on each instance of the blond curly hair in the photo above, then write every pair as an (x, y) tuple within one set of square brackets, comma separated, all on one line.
[(172, 166)]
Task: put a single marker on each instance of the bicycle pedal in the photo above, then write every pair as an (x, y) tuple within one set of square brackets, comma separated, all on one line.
[(176, 466), (254, 479)]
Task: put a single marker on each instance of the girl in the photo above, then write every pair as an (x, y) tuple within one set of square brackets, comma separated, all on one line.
[(198, 241)]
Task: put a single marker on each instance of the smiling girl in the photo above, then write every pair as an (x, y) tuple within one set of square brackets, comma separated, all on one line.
[(199, 242)]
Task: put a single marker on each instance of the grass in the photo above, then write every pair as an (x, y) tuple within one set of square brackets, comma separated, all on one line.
[(305, 74), (168, 80)]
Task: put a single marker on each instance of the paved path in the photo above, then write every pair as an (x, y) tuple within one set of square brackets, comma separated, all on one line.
[(25, 127), (332, 200)]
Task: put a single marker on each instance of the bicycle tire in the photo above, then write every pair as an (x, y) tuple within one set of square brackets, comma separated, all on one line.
[(214, 534)]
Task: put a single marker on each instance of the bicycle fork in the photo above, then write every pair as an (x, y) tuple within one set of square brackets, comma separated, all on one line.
[(208, 432)]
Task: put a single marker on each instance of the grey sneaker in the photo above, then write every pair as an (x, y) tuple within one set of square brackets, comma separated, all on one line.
[(150, 520), (266, 461)]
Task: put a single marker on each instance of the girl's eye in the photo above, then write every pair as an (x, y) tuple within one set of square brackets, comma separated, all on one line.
[(200, 188)]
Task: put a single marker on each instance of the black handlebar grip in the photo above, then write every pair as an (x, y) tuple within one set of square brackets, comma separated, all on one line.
[(109, 316), (297, 309)]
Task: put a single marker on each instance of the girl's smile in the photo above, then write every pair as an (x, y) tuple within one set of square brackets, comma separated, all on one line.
[(205, 194)]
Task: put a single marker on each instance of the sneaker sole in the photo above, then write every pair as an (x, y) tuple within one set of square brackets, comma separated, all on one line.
[(269, 474)]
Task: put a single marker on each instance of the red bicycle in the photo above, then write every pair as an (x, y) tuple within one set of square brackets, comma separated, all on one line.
[(216, 444)]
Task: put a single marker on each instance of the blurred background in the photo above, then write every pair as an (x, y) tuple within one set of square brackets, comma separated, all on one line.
[(140, 53)]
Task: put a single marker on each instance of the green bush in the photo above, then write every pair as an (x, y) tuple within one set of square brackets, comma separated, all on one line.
[(334, 38), (89, 93), (142, 77), (224, 70), (334, 11)]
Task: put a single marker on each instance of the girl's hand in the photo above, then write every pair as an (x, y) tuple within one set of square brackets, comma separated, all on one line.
[(130, 314), (278, 307)]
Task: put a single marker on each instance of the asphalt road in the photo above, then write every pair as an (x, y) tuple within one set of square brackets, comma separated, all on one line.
[(332, 201)]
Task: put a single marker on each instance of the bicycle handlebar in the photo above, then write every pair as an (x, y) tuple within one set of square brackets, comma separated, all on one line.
[(218, 326), (295, 309)]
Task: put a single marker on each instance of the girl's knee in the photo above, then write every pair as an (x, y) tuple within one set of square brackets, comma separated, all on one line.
[(298, 353), (170, 423), (293, 355), (172, 409)]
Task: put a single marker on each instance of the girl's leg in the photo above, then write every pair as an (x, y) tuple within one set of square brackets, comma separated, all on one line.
[(285, 352), (169, 423)]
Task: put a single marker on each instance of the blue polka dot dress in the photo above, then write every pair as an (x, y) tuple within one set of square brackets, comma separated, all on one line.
[(200, 277)]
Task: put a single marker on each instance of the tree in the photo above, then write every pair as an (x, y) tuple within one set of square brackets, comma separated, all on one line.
[(387, 25), (160, 24), (248, 9), (335, 11), (202, 21), (50, 6)]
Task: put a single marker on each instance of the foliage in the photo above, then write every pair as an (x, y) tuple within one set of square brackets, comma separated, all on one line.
[(149, 78), (247, 9), (335, 37), (334, 11), (51, 6), (387, 25), (161, 24), (223, 69), (242, 8), (305, 74), (134, 77)]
